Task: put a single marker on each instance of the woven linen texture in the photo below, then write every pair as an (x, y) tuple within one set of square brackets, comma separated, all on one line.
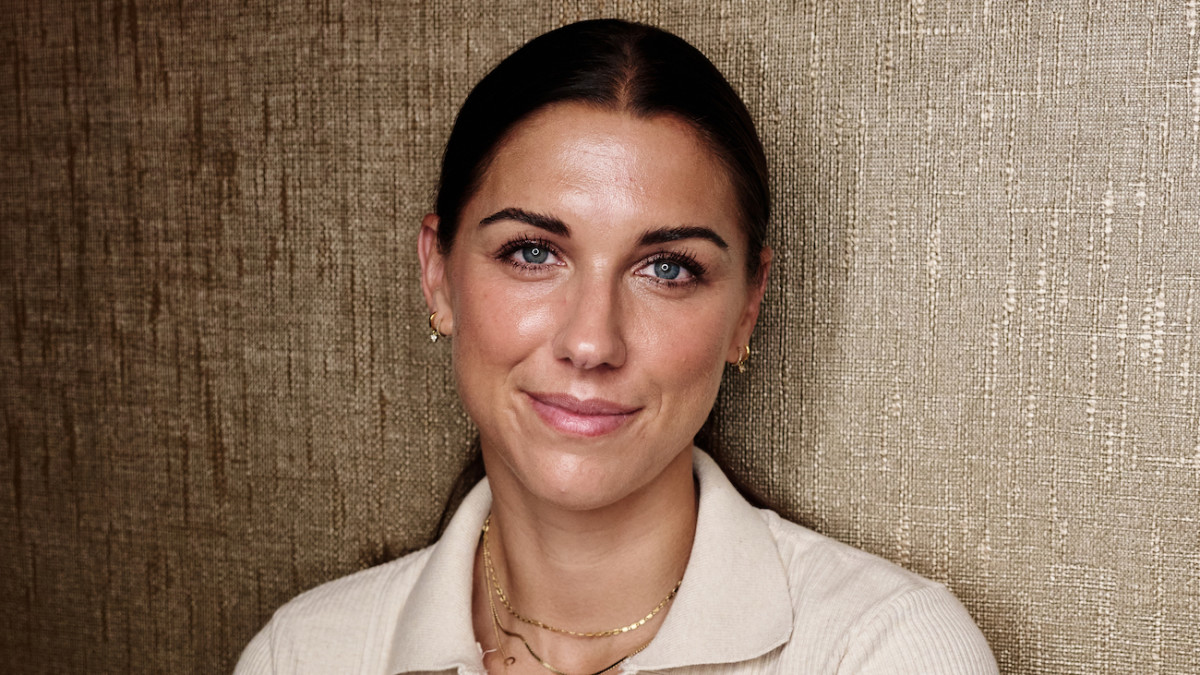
[(977, 358)]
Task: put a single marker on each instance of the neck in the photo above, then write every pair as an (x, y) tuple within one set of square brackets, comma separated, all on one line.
[(595, 569)]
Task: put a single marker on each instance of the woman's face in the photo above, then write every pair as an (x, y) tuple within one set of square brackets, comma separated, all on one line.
[(595, 290)]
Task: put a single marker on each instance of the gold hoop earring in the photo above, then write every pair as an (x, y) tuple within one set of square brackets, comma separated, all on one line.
[(435, 333), (740, 364)]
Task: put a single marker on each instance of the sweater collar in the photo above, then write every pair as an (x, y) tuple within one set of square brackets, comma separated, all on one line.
[(434, 630), (734, 604)]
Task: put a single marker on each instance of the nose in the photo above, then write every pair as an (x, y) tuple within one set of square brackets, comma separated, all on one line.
[(590, 334)]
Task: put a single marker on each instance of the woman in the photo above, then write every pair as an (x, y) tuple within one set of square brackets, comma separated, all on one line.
[(597, 256)]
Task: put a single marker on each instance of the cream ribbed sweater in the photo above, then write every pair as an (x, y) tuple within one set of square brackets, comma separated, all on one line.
[(760, 595)]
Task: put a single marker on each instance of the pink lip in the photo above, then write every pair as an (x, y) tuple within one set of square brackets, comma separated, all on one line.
[(580, 417)]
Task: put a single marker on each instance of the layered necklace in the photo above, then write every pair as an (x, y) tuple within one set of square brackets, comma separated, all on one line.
[(498, 591)]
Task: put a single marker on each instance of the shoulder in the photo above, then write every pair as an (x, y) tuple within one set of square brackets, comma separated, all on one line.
[(870, 615), (344, 599), (333, 622), (824, 569)]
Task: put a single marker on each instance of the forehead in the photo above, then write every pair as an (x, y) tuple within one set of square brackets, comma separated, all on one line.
[(609, 169)]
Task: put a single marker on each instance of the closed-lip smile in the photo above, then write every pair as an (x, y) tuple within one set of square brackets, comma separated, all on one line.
[(580, 417)]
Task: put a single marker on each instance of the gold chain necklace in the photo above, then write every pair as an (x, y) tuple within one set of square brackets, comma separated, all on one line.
[(491, 572), (498, 628)]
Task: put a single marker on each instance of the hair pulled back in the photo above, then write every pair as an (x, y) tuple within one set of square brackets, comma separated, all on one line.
[(617, 65)]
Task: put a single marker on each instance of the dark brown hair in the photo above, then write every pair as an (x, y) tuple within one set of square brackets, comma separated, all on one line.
[(616, 65)]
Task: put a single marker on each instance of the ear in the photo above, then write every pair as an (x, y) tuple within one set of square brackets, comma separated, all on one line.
[(754, 297), (434, 282)]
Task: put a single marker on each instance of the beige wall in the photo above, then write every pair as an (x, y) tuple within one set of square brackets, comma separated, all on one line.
[(978, 356)]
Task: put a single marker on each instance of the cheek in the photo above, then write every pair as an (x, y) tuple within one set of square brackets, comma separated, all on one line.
[(531, 317), (687, 349), (498, 323)]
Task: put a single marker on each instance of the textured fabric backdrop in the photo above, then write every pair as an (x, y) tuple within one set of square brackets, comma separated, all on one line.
[(978, 358)]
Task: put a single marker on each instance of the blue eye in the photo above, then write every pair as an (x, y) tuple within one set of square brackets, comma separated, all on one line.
[(672, 269), (534, 255), (665, 269)]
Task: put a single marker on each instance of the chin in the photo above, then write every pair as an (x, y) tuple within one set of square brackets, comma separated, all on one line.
[(580, 501), (588, 478), (579, 482)]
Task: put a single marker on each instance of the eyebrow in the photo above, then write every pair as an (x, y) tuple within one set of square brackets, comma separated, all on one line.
[(548, 223), (555, 226), (668, 234)]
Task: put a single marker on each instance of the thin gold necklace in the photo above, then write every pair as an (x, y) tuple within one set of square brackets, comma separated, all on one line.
[(491, 572), (509, 660), (498, 627)]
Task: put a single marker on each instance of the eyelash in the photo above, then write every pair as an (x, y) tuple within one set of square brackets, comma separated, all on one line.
[(683, 258), (516, 244)]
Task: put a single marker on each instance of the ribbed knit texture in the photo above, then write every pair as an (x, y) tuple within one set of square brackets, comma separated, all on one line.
[(760, 595)]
